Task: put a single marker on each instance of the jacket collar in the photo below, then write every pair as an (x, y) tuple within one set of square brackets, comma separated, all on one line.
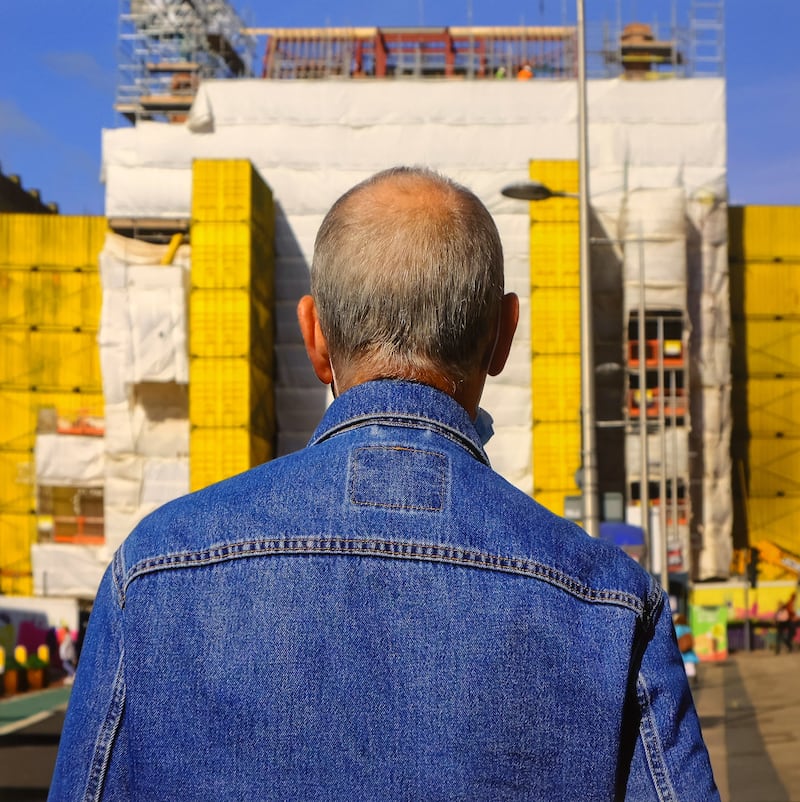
[(400, 403)]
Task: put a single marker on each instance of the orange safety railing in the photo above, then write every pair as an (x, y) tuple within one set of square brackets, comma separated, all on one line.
[(674, 402), (83, 424), (672, 353), (681, 508), (81, 530)]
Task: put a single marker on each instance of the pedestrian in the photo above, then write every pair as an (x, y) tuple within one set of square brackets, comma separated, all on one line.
[(785, 625), (380, 616), (683, 632), (67, 654)]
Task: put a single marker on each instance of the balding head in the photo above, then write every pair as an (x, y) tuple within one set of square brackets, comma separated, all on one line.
[(407, 278)]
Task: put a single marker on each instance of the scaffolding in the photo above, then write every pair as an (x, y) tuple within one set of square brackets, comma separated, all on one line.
[(615, 48), (707, 37), (465, 52), (166, 47), (659, 48)]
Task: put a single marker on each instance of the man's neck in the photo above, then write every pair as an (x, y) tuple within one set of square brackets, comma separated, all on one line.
[(466, 392)]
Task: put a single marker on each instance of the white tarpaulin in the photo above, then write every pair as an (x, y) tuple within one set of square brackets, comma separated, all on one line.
[(711, 357), (69, 460), (672, 452), (144, 359), (653, 233), (137, 485), (157, 304), (61, 569), (142, 324)]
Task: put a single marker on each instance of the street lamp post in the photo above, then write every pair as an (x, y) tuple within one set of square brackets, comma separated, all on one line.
[(590, 502), (534, 191)]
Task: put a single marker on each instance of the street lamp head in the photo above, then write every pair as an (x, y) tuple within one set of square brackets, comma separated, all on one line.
[(532, 191)]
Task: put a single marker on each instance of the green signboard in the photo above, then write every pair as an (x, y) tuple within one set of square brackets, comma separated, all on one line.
[(710, 630)]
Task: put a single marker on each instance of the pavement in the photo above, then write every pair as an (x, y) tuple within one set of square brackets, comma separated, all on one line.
[(24, 709), (749, 707), (30, 728)]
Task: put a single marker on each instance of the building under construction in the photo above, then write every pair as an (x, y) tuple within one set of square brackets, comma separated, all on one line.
[(155, 350)]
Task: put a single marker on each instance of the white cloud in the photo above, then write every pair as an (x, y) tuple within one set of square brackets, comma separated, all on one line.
[(82, 66), (14, 122)]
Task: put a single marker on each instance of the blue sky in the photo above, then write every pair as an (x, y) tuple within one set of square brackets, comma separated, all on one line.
[(58, 77)]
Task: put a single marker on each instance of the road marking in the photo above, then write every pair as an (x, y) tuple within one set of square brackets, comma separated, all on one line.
[(6, 729)]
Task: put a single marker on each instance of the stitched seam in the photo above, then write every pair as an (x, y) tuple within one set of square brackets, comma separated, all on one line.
[(118, 576), (385, 548), (418, 507), (406, 422), (105, 738), (655, 603), (653, 748)]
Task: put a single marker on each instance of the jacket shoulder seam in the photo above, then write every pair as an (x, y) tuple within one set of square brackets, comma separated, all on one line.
[(375, 547)]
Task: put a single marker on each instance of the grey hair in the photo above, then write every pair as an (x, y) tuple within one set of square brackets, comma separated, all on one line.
[(407, 275)]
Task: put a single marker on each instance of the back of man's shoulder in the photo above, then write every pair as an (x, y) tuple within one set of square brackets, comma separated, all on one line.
[(560, 549)]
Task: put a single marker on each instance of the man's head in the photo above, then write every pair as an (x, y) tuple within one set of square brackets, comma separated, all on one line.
[(407, 282)]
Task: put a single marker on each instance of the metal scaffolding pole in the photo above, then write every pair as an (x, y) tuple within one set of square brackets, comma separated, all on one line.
[(591, 518)]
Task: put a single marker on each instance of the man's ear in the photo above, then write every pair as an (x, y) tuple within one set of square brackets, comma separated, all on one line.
[(314, 339), (507, 325)]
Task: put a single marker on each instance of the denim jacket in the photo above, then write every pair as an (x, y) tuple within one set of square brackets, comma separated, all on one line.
[(378, 616)]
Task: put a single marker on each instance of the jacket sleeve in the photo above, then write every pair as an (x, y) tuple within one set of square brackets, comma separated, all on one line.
[(670, 761), (91, 762)]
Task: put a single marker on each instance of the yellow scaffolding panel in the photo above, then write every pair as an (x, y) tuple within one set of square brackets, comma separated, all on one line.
[(49, 314), (17, 535), (231, 391), (228, 323), (765, 310), (555, 335), (52, 360), (59, 298), (16, 481), (764, 233), (231, 325), (49, 241)]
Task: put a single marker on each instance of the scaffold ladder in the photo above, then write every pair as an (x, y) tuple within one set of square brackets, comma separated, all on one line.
[(707, 37)]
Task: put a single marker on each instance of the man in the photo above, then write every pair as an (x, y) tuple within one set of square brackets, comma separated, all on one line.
[(381, 616), (785, 625)]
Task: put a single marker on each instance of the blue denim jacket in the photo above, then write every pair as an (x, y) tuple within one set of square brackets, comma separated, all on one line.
[(379, 616)]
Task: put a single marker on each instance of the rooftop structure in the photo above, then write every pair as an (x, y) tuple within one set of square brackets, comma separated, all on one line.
[(14, 197), (168, 47), (454, 52)]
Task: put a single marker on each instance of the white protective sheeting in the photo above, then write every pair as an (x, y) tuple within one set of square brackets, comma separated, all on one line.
[(653, 233), (142, 324), (62, 569), (672, 453), (312, 140), (130, 429), (144, 359), (708, 213), (69, 460), (157, 305), (137, 485)]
